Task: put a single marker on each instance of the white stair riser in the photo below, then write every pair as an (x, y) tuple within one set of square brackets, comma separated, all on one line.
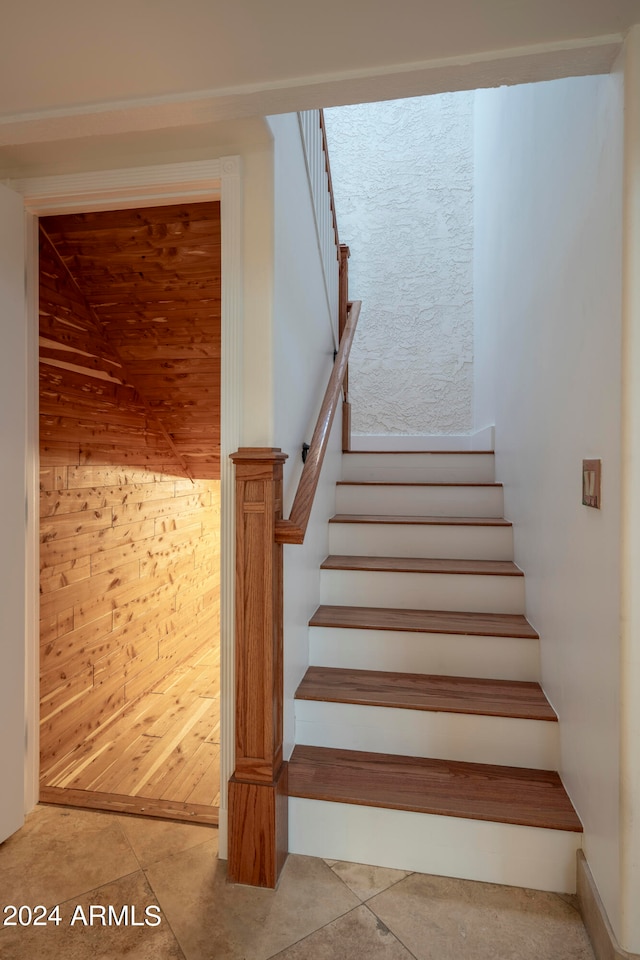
[(420, 467), (446, 846), (453, 542), (435, 591), (382, 442), (424, 733), (453, 655), (438, 501)]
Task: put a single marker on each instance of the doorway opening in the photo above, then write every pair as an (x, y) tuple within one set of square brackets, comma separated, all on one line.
[(130, 352)]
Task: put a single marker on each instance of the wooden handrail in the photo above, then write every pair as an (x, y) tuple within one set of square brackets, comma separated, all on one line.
[(343, 305), (293, 530), (332, 200)]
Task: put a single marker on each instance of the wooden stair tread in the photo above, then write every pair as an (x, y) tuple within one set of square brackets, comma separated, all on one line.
[(414, 691), (419, 483), (475, 791), (503, 568), (424, 621), (427, 521)]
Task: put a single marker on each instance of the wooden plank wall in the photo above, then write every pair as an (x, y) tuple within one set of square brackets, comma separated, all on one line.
[(152, 277), (129, 544)]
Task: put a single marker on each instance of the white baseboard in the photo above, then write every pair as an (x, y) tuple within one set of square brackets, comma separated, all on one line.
[(484, 439), (603, 939), (222, 833), (479, 440)]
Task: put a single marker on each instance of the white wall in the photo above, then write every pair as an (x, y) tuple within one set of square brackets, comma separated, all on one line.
[(548, 228), (403, 179), (302, 362), (14, 725), (258, 270)]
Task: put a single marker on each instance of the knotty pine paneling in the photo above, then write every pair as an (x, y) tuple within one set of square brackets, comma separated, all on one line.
[(129, 555)]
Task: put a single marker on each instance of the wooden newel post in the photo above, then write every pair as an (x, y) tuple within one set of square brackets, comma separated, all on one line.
[(258, 829)]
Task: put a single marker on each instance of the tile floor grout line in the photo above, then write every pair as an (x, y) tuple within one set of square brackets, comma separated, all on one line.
[(85, 893), (143, 871), (322, 926), (165, 917), (393, 934), (178, 852), (408, 874), (394, 884), (343, 881), (156, 895), (126, 838)]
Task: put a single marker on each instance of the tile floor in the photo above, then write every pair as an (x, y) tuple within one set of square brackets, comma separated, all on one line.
[(322, 910)]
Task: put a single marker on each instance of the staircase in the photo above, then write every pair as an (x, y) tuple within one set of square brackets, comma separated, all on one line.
[(424, 740)]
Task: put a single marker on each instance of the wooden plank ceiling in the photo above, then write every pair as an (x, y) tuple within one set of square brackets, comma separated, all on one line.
[(152, 278)]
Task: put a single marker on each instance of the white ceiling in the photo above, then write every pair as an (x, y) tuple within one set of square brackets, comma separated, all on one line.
[(70, 52), (83, 68)]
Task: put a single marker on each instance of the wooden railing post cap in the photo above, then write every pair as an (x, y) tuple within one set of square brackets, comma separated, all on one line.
[(258, 455)]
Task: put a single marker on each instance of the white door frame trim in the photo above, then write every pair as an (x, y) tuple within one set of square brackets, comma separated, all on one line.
[(111, 190)]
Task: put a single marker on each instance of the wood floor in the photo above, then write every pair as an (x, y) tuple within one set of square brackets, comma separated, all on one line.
[(161, 757)]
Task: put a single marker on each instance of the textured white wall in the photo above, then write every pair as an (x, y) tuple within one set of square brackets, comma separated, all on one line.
[(403, 178), (548, 203)]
